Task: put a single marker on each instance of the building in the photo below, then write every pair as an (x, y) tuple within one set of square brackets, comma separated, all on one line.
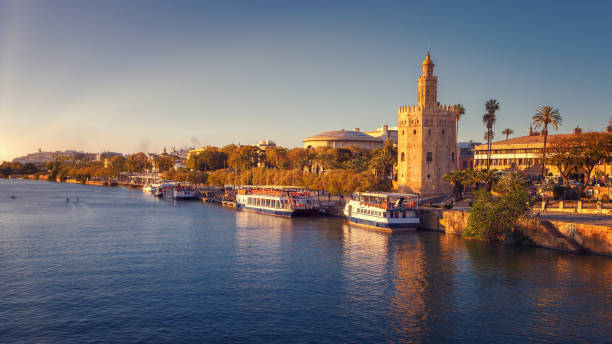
[(40, 158), (466, 154), (385, 133), (343, 139), (524, 153), (427, 141), (266, 144)]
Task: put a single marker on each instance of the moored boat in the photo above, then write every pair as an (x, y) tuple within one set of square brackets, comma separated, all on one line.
[(278, 201), (385, 211)]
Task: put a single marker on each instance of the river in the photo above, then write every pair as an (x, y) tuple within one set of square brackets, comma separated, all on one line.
[(121, 266)]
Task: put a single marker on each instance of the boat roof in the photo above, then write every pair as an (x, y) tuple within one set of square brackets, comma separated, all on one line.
[(387, 194), (274, 187)]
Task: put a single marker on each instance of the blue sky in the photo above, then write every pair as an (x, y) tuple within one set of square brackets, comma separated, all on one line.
[(140, 75)]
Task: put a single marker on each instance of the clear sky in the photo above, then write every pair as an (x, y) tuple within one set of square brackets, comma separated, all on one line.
[(140, 75)]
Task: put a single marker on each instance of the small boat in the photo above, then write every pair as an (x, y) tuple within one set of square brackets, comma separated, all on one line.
[(380, 210), (147, 188), (278, 201)]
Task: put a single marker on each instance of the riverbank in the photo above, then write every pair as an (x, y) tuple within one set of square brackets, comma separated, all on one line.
[(576, 233)]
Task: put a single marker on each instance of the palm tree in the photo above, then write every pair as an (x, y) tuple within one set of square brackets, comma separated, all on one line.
[(508, 132), (456, 178), (459, 112), (489, 120), (544, 116)]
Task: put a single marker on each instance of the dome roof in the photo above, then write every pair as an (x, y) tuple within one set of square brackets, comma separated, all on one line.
[(343, 135)]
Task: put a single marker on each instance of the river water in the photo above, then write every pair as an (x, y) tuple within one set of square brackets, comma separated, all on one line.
[(121, 266)]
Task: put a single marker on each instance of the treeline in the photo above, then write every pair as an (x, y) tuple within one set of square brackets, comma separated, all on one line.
[(337, 170), (335, 182), (380, 161), (16, 168)]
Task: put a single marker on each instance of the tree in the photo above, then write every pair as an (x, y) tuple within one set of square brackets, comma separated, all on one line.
[(564, 156), (117, 163), (299, 158), (544, 116), (507, 132), (244, 157), (384, 159), (489, 135), (164, 162), (277, 157), (594, 148), (459, 112), (456, 178), (137, 162), (493, 217), (489, 119)]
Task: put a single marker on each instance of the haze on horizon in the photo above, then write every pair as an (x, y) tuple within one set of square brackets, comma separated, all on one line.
[(143, 75)]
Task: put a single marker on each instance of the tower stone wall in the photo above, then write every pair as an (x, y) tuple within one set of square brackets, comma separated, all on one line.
[(427, 139)]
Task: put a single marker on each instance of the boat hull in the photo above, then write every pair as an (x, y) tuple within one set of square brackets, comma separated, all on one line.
[(381, 225), (265, 211)]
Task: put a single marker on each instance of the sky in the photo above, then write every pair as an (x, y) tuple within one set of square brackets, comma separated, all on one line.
[(133, 76)]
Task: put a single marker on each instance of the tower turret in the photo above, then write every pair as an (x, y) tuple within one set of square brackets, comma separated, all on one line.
[(428, 84)]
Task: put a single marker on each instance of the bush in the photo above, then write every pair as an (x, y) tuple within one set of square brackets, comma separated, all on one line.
[(491, 218)]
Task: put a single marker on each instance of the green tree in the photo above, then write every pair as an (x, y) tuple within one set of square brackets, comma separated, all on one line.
[(384, 159), (593, 149), (564, 155), (244, 157), (137, 162), (491, 218), (544, 116), (457, 179), (277, 157), (489, 121), (507, 132), (164, 162)]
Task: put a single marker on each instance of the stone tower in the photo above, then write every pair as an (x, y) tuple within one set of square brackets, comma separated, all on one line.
[(427, 139)]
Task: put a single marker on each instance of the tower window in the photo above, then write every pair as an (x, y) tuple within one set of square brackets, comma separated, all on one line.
[(403, 156), (442, 131), (429, 131), (402, 133), (414, 132), (428, 176), (453, 156), (429, 157)]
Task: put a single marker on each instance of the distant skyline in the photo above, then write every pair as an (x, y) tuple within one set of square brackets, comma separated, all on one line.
[(133, 76)]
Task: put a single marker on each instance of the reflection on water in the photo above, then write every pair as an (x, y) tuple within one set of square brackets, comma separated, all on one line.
[(122, 266)]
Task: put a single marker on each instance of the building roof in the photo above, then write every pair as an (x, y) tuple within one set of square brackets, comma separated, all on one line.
[(343, 135), (529, 140)]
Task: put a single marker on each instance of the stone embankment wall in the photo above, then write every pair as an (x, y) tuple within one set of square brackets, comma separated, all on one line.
[(449, 221), (567, 236)]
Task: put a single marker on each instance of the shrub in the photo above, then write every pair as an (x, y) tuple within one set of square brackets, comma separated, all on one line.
[(493, 217)]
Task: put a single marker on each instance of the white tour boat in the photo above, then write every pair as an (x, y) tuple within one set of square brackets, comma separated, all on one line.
[(179, 191), (386, 211), (278, 200), (157, 189)]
